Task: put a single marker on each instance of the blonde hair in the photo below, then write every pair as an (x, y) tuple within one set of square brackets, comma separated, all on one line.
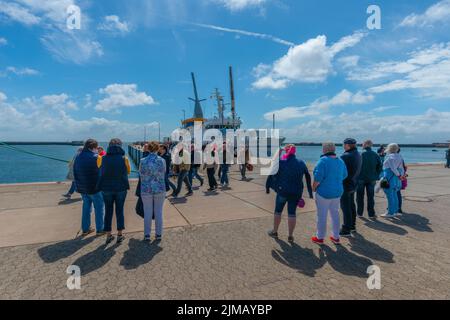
[(392, 148), (328, 147), (368, 144)]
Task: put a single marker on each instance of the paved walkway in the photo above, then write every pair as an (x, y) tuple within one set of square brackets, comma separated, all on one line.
[(215, 247)]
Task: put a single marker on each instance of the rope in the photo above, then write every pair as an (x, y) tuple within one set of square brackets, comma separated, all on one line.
[(38, 154), (32, 153)]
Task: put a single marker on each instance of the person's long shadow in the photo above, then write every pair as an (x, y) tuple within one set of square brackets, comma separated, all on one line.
[(179, 200), (301, 259), (346, 262), (139, 253), (96, 259), (384, 227), (64, 202), (369, 249), (64, 249), (414, 221)]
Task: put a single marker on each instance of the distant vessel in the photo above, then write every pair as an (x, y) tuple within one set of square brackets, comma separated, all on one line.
[(220, 121)]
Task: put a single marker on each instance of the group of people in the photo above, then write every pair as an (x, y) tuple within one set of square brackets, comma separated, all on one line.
[(447, 158), (336, 181), (101, 177)]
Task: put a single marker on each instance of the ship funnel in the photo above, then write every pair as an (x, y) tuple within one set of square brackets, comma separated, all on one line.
[(233, 101)]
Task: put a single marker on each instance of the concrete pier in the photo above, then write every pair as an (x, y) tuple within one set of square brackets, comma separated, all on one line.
[(215, 246)]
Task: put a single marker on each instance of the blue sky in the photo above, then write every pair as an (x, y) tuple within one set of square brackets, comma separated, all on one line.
[(315, 64)]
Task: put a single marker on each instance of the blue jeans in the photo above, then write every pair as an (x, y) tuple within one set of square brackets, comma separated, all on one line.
[(193, 173), (348, 207), (169, 183), (183, 176), (116, 199), (73, 187), (280, 203), (364, 186), (224, 174), (392, 198), (97, 201)]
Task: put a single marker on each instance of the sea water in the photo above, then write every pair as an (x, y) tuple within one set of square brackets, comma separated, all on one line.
[(17, 167)]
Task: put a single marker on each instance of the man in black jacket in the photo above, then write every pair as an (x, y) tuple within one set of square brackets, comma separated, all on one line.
[(353, 162), (370, 173)]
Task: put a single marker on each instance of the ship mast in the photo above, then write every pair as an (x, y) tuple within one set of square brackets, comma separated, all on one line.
[(220, 105), (198, 111), (233, 101)]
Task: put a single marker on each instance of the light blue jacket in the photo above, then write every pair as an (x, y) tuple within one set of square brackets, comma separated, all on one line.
[(330, 172)]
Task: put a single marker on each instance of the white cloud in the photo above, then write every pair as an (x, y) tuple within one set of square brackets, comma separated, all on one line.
[(18, 13), (3, 41), (431, 126), (21, 71), (247, 33), (309, 62), (114, 25), (426, 70), (384, 108), (122, 95), (77, 46), (237, 5), (439, 12), (54, 124), (72, 47), (348, 61), (321, 106)]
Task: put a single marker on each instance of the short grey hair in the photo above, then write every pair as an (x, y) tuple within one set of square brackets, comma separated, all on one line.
[(368, 144), (392, 148), (328, 147)]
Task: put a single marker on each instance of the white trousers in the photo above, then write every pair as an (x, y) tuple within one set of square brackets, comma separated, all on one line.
[(153, 203), (323, 207)]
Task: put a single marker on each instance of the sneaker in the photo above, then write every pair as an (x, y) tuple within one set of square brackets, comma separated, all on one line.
[(335, 241), (190, 193), (353, 230), (317, 240), (273, 234), (374, 217), (120, 238), (291, 239), (109, 239), (388, 215), (345, 234), (100, 234), (158, 238), (147, 238), (174, 195), (67, 195)]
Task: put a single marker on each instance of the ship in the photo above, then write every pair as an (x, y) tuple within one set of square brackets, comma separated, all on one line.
[(221, 121)]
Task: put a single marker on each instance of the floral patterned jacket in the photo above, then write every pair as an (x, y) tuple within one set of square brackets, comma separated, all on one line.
[(152, 170)]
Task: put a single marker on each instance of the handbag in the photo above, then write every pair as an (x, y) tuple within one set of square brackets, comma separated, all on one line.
[(385, 183), (140, 209), (249, 167), (301, 203)]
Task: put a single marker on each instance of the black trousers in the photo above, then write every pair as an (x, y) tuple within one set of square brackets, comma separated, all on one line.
[(211, 177), (363, 188), (348, 207)]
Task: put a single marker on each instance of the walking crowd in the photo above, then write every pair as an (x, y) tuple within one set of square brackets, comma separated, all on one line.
[(101, 177), (337, 183)]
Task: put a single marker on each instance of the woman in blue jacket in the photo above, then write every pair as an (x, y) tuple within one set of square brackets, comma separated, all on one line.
[(288, 184)]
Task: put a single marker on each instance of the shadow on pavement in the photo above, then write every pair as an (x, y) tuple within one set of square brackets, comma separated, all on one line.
[(301, 259), (385, 227), (64, 249), (96, 259), (346, 262), (369, 249), (139, 253), (65, 202), (414, 221)]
